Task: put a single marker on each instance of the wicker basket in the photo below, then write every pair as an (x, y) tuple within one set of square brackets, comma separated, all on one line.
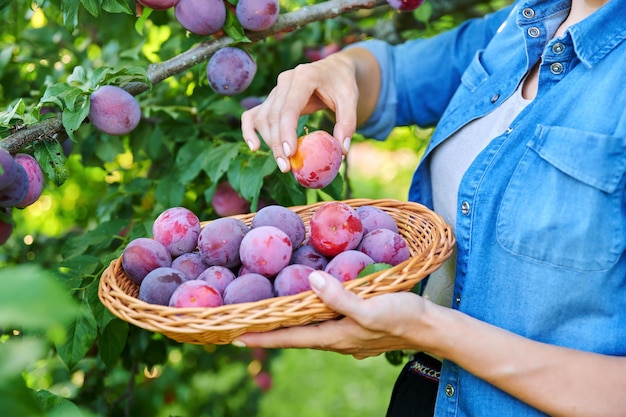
[(430, 242)]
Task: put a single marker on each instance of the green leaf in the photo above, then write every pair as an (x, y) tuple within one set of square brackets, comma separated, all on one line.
[(141, 22), (69, 8), (218, 159), (233, 27), (52, 160), (57, 406), (14, 112), (169, 192), (371, 268), (73, 119), (4, 4), (116, 6), (81, 335), (78, 76), (92, 6), (112, 341), (31, 299)]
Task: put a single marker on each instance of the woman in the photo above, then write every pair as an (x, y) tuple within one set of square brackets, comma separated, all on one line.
[(528, 163)]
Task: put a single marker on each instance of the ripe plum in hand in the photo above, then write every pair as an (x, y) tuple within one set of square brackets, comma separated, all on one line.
[(219, 241), (113, 110), (201, 17), (191, 264), (35, 179), (230, 71), (217, 277), (347, 265), (317, 159), (195, 293), (385, 246), (307, 255), (292, 279), (265, 250), (283, 218), (257, 15), (143, 255), (375, 218), (158, 286), (177, 228), (334, 228), (248, 288)]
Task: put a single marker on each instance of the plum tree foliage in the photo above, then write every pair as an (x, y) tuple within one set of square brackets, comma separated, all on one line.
[(69, 355)]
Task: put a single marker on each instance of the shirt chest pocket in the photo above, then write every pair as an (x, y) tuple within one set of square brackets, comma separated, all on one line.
[(564, 202)]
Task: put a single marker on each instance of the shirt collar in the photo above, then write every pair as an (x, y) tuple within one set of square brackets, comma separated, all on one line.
[(594, 37)]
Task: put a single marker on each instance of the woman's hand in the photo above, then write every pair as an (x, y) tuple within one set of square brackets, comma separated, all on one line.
[(369, 327), (333, 83)]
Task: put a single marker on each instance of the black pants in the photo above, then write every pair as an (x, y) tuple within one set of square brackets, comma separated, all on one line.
[(414, 393)]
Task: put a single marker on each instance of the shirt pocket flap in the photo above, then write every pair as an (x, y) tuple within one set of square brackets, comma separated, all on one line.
[(595, 159)]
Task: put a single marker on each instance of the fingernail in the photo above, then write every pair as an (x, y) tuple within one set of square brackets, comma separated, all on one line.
[(286, 148), (317, 281), (282, 165), (346, 143), (249, 145), (238, 343)]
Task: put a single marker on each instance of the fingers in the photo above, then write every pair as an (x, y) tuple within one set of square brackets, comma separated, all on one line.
[(328, 83)]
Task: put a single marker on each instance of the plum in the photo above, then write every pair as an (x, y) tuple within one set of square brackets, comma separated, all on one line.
[(113, 110), (265, 250), (177, 228), (159, 284), (292, 279), (201, 17), (35, 179), (248, 288), (7, 168), (230, 71), (335, 227), (227, 201), (348, 264), (17, 190), (283, 218), (385, 246), (317, 159), (219, 241), (405, 5), (158, 4), (257, 15), (143, 255), (195, 293)]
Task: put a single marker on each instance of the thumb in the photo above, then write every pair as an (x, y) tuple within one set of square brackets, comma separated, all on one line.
[(332, 293)]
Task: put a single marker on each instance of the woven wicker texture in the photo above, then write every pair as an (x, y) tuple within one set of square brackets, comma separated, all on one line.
[(430, 242)]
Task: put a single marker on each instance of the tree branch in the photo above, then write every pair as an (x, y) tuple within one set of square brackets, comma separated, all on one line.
[(286, 22)]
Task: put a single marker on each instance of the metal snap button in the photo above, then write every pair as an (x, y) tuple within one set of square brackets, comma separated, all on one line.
[(528, 13), (558, 48), (465, 208), (495, 97), (534, 32), (449, 390), (556, 68)]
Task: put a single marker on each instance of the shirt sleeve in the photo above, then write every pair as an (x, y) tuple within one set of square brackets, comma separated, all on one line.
[(419, 77)]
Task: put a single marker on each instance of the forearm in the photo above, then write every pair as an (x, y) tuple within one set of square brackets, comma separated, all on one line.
[(556, 380), (368, 79)]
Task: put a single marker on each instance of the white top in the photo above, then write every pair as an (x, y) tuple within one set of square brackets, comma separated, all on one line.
[(449, 161)]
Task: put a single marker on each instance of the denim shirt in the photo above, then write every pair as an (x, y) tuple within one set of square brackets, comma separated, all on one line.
[(541, 218)]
